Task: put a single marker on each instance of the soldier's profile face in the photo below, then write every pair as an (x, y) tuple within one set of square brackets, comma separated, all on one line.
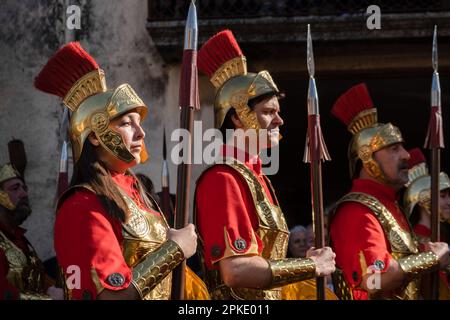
[(17, 191), (393, 162), (129, 127), (268, 115)]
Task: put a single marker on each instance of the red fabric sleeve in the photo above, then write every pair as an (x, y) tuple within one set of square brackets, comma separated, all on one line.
[(7, 290), (226, 215), (86, 237), (359, 243)]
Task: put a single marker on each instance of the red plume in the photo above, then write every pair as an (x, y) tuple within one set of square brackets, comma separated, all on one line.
[(416, 157), (352, 102), (66, 66), (216, 51)]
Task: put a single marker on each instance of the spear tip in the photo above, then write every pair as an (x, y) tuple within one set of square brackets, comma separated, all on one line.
[(309, 53), (190, 34), (435, 50)]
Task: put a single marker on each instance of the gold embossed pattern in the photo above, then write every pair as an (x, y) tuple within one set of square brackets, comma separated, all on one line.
[(25, 272), (94, 114), (402, 243), (285, 271), (341, 287), (156, 266), (112, 141), (143, 234), (237, 91), (91, 83), (272, 231), (364, 119), (231, 68), (369, 140), (7, 172), (400, 240), (417, 264)]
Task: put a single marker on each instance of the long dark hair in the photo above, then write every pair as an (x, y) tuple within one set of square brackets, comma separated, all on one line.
[(90, 170)]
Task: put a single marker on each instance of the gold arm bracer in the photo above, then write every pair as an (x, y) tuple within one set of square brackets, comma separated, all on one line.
[(285, 271), (156, 266), (417, 264)]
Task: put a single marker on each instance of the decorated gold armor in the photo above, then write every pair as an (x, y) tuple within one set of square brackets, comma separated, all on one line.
[(7, 172), (147, 250), (74, 75), (369, 135), (222, 60), (25, 271), (418, 188), (355, 109), (404, 248), (274, 234), (93, 106), (144, 233), (418, 193)]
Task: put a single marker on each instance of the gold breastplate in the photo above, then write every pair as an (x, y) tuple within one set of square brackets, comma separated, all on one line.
[(402, 244), (143, 233), (272, 230), (25, 272)]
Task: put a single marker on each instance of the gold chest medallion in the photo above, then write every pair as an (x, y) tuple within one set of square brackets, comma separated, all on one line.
[(143, 233)]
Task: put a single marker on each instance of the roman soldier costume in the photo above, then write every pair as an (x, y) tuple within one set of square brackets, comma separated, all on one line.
[(368, 228), (22, 274), (236, 210), (418, 194), (109, 253)]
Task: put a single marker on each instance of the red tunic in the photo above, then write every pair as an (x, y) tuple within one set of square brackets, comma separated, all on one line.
[(7, 289), (358, 238), (88, 238), (226, 214)]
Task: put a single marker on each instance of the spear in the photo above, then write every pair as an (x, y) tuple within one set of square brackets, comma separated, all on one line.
[(435, 141), (63, 176), (165, 201), (188, 101), (315, 152)]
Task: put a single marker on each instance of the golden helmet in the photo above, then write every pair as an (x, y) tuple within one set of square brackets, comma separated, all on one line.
[(221, 59), (75, 76), (418, 188), (7, 172), (355, 109)]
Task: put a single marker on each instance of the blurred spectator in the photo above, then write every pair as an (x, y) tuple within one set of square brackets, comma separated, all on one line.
[(297, 242)]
